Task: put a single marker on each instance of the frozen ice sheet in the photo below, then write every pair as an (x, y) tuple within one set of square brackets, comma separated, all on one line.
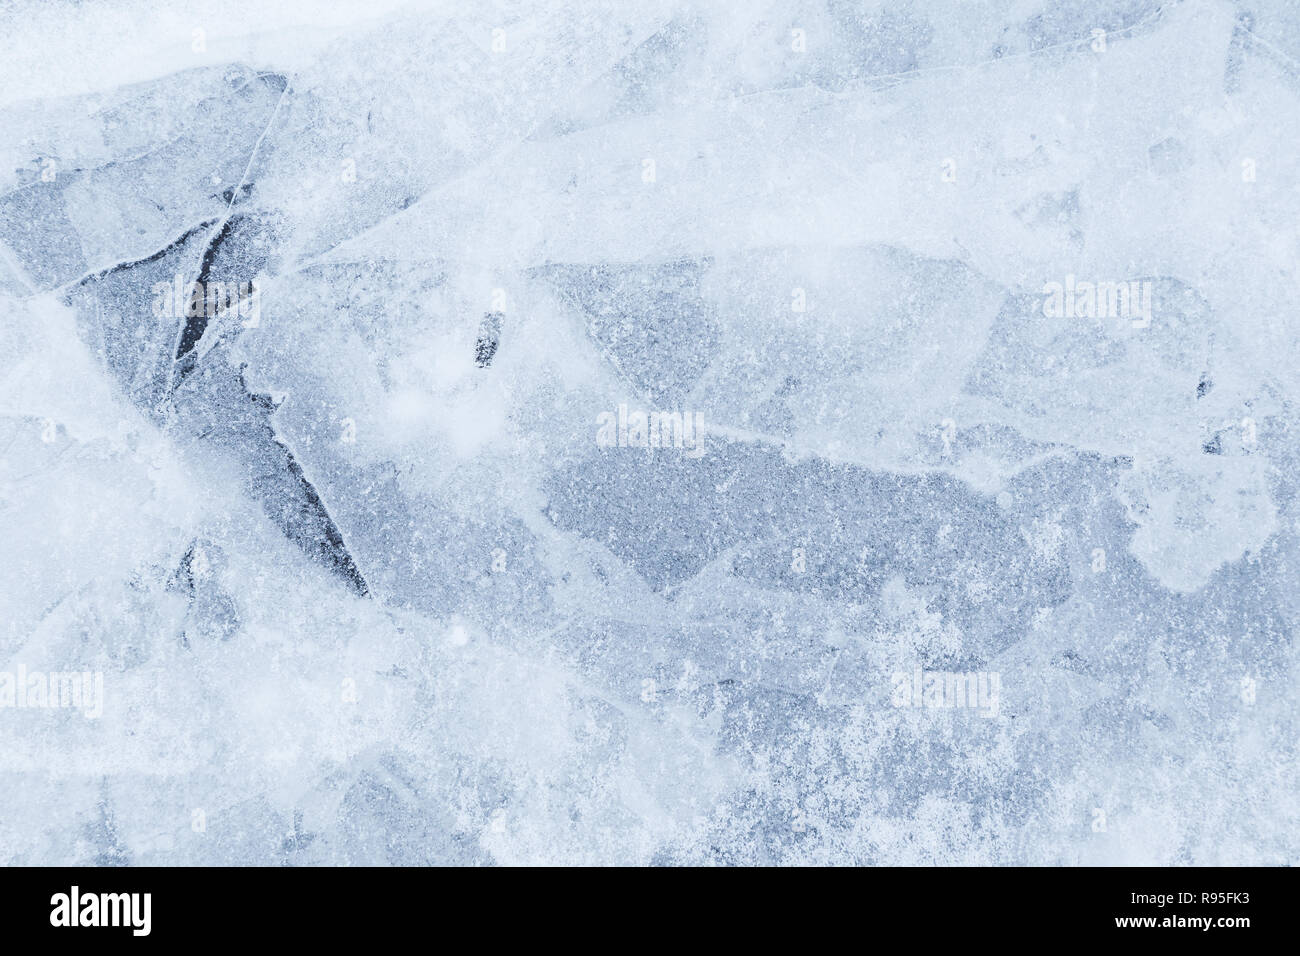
[(689, 433)]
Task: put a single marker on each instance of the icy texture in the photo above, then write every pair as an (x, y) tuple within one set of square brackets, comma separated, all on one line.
[(366, 586)]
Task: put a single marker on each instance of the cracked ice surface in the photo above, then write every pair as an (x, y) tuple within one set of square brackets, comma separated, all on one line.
[(373, 568)]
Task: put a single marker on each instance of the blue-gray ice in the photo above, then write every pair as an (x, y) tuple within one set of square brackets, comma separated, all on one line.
[(623, 432)]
